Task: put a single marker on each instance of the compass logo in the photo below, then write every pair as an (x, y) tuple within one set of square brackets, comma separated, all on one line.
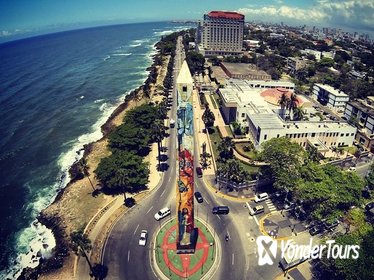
[(267, 250)]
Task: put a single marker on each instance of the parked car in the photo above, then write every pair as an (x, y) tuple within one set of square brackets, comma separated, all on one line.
[(331, 225), (317, 230), (256, 210), (220, 210), (288, 205), (261, 197), (199, 197), (143, 237), (369, 206), (199, 172), (162, 213)]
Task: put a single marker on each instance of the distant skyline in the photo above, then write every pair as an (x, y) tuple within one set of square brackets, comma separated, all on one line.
[(21, 17)]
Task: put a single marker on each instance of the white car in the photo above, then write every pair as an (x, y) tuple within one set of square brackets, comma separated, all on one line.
[(162, 213), (256, 210), (143, 237), (352, 169), (261, 197)]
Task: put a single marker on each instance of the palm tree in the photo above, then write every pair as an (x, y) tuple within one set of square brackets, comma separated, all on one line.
[(225, 148), (208, 118), (122, 178), (298, 114), (157, 134), (83, 163), (81, 245), (292, 104), (283, 102)]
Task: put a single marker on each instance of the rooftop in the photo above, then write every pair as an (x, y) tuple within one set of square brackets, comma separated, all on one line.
[(332, 90), (362, 106), (244, 69), (266, 121), (226, 15)]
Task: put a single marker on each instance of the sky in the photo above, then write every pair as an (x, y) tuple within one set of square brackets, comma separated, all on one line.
[(28, 16)]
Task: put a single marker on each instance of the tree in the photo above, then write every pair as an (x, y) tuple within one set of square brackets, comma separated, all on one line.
[(81, 245), (232, 171), (195, 61), (292, 103), (123, 172), (370, 176), (83, 163), (208, 118), (285, 159), (225, 148), (158, 132), (298, 114), (130, 137), (283, 102), (327, 191)]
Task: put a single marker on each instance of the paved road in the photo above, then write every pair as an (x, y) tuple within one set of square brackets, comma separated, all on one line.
[(125, 259)]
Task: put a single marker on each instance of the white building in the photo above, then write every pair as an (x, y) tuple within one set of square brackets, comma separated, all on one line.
[(317, 54), (248, 106), (328, 96), (221, 33)]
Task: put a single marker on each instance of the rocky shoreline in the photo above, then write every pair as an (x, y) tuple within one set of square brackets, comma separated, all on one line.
[(54, 222)]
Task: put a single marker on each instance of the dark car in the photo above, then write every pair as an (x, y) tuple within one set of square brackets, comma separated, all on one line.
[(369, 206), (220, 210), (331, 225), (317, 230), (199, 197), (199, 172)]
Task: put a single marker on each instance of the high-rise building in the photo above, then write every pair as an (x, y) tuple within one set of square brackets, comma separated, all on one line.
[(221, 33)]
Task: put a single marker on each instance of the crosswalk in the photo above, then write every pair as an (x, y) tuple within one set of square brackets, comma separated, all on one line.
[(270, 205)]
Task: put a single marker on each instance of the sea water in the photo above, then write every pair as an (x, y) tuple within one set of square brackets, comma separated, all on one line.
[(56, 91)]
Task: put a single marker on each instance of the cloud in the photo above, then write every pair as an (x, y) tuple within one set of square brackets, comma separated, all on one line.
[(349, 13)]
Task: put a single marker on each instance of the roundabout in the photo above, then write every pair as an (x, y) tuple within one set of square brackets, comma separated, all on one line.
[(192, 266)]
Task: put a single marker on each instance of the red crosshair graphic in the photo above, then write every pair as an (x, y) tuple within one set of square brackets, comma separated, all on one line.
[(185, 259)]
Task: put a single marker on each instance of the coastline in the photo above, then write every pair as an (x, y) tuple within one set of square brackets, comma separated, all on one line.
[(61, 216)]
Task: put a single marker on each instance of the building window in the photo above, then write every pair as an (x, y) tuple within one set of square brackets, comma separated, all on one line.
[(352, 134), (277, 135), (313, 134), (341, 135), (184, 88), (243, 115), (347, 134), (265, 136)]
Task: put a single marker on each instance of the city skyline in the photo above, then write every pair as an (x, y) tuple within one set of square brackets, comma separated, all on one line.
[(23, 18)]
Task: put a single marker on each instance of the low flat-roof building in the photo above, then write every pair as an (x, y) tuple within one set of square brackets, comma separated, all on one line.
[(244, 71), (328, 96), (250, 107), (295, 64)]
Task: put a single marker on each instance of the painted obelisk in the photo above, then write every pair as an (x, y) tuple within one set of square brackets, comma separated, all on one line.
[(185, 173)]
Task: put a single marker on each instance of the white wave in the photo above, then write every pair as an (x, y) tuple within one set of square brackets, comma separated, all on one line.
[(37, 242), (135, 45), (107, 57), (82, 96), (98, 101), (121, 54), (103, 107), (164, 32)]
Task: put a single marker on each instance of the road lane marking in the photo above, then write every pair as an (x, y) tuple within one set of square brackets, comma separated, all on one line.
[(163, 192), (149, 209), (228, 234), (207, 202), (136, 229), (128, 256), (254, 217), (233, 259), (218, 217)]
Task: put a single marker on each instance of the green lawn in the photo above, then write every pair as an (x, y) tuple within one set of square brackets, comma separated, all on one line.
[(249, 168), (215, 139), (213, 101), (252, 154)]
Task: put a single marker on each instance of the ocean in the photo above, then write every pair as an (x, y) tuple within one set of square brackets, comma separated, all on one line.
[(56, 91)]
